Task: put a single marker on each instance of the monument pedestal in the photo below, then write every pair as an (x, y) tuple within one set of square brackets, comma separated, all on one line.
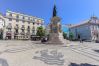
[(55, 29), (54, 39)]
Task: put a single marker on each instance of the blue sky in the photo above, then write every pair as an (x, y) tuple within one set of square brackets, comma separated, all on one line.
[(70, 11)]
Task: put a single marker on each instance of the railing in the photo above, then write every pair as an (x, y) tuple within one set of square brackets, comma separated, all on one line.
[(22, 27), (20, 19), (22, 33), (9, 27), (28, 28), (16, 27), (15, 33)]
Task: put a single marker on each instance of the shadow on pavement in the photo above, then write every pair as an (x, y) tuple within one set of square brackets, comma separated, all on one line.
[(3, 62), (74, 64), (96, 51)]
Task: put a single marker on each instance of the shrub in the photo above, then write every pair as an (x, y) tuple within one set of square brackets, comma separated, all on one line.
[(71, 36), (64, 35), (40, 31)]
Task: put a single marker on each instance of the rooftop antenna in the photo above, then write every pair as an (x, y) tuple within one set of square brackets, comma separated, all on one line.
[(94, 16)]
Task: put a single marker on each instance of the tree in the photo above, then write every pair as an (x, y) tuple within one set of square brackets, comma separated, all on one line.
[(64, 35), (71, 36), (40, 31)]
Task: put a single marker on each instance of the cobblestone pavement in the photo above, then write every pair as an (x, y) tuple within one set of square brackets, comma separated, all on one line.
[(29, 53)]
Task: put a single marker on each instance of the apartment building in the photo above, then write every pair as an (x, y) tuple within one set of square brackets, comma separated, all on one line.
[(88, 29), (19, 26)]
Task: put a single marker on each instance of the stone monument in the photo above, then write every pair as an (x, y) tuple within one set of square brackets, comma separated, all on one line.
[(55, 28)]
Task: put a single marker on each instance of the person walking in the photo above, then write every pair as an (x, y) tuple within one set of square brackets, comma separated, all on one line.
[(80, 39)]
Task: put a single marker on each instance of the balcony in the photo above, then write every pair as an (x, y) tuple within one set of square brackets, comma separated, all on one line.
[(9, 27), (22, 33), (16, 33), (33, 28), (28, 28), (16, 27), (8, 33), (28, 33), (23, 28)]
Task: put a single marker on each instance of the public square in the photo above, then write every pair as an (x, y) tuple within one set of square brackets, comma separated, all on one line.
[(32, 53)]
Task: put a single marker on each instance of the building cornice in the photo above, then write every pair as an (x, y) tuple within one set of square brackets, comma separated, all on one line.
[(86, 23), (24, 15), (26, 20)]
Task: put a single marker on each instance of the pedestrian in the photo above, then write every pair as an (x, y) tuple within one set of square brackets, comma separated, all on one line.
[(81, 41)]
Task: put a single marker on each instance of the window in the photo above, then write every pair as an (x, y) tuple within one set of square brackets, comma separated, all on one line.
[(33, 20), (28, 22), (16, 25), (10, 19), (33, 23), (9, 29), (9, 26), (28, 31), (28, 27), (23, 26), (97, 27), (23, 17), (22, 30), (10, 15), (17, 20), (28, 18), (41, 23), (38, 23), (23, 21), (17, 16), (33, 28), (16, 30), (33, 32)]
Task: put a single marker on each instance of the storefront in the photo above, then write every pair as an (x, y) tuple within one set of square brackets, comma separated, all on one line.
[(8, 35), (23, 37)]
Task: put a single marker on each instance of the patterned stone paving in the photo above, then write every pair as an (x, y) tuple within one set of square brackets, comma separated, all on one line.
[(50, 57), (29, 54), (96, 51)]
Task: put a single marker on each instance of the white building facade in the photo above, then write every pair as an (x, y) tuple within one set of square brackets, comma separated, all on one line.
[(19, 26), (89, 30)]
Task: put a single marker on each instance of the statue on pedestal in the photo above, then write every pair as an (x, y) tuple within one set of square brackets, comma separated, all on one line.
[(55, 28)]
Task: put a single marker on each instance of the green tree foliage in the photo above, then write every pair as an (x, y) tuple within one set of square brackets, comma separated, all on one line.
[(71, 36), (40, 31), (64, 35)]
